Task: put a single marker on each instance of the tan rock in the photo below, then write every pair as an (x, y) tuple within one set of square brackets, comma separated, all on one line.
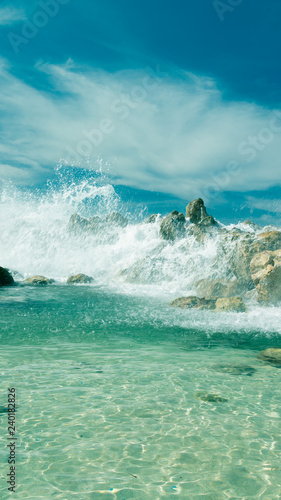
[(218, 288), (234, 304), (38, 280), (79, 279), (193, 302)]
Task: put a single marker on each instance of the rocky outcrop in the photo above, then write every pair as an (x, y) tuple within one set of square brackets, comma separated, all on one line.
[(266, 274), (6, 279), (116, 219), (173, 226), (218, 288), (193, 302), (38, 280), (271, 356), (95, 224), (231, 304), (196, 211), (153, 218), (79, 279)]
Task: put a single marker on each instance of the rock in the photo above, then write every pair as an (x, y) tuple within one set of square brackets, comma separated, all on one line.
[(6, 279), (271, 356), (235, 369), (153, 218), (193, 302), (251, 225), (196, 211), (266, 274), (78, 223), (234, 304), (116, 219), (218, 288), (172, 226), (208, 222), (38, 280), (79, 279), (210, 398)]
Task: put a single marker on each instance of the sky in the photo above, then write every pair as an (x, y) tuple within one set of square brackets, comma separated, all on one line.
[(180, 98)]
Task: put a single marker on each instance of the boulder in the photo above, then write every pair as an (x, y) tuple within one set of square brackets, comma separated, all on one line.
[(266, 274), (219, 288), (172, 226), (193, 302), (153, 218), (79, 279), (231, 304), (116, 219), (38, 280), (6, 279), (196, 211), (78, 223), (208, 222), (271, 356)]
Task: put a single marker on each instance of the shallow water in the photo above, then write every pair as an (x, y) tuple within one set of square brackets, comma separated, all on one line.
[(106, 389)]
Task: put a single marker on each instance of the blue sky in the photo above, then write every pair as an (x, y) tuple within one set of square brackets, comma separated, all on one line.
[(177, 97)]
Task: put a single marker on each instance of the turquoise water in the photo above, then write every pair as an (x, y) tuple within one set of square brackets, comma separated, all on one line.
[(106, 388)]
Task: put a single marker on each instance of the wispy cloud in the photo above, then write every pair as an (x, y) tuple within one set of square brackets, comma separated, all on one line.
[(10, 15), (180, 136)]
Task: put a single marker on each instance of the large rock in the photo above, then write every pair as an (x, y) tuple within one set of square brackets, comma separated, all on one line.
[(153, 218), (77, 223), (196, 211), (116, 219), (266, 274), (172, 226), (193, 302), (231, 304), (38, 280), (79, 279), (218, 288), (271, 356), (6, 279)]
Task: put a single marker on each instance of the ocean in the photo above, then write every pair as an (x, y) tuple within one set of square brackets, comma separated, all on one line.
[(111, 381)]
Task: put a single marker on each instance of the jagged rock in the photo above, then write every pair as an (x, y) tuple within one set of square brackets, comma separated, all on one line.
[(233, 304), (266, 274), (210, 398), (79, 278), (38, 280), (251, 225), (235, 369), (78, 223), (6, 279), (153, 218), (116, 219), (172, 226), (271, 356), (208, 222), (196, 211), (219, 288), (193, 302)]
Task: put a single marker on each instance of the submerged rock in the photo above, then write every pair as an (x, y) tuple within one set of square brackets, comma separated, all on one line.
[(6, 279), (235, 369), (79, 279), (210, 398), (172, 226), (193, 302), (196, 211), (218, 288), (271, 356), (231, 304), (38, 280)]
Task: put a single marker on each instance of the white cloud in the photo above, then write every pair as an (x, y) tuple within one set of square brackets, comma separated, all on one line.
[(10, 15), (179, 139)]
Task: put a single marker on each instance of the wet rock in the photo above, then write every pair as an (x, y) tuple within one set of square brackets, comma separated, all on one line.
[(38, 280), (79, 279), (235, 369), (271, 356), (208, 222), (77, 223), (153, 218), (266, 274), (6, 279), (210, 398), (196, 211), (193, 302), (250, 225), (218, 288), (116, 219), (231, 304), (172, 226)]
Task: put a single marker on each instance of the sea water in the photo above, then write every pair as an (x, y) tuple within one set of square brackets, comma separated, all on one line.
[(108, 376)]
